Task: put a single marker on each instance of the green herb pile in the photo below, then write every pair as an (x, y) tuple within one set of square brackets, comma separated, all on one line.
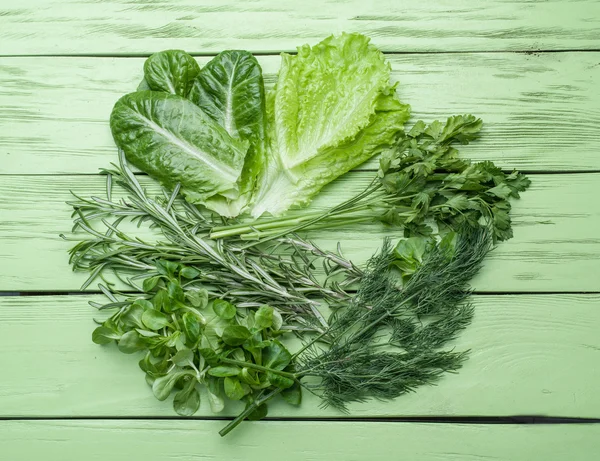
[(213, 300)]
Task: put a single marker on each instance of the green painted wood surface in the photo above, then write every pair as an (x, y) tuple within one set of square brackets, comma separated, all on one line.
[(542, 112), (531, 354), (294, 441), (556, 245), (58, 27)]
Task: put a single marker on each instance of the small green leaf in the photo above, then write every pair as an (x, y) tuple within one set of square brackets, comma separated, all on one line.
[(161, 301), (150, 283), (163, 385), (146, 333), (280, 381), (191, 327), (214, 386), (224, 309), (224, 371), (277, 320), (131, 342), (258, 414), (238, 354), (183, 358), (187, 400), (502, 191), (233, 388), (276, 356), (133, 316), (167, 268), (104, 335), (198, 297), (263, 318), (154, 320), (293, 395), (189, 273), (210, 356), (247, 377), (235, 335), (175, 291), (144, 304)]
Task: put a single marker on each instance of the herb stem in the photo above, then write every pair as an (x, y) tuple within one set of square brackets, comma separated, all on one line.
[(239, 363), (248, 411)]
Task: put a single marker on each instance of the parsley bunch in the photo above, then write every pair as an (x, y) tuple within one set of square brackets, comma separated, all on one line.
[(421, 186)]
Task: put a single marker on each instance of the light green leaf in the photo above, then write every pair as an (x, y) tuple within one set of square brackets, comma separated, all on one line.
[(277, 320), (104, 335), (150, 283), (133, 316), (174, 141), (198, 297), (163, 385), (263, 317), (171, 71), (282, 382), (233, 388), (224, 309), (187, 400), (333, 108), (235, 335), (276, 356), (191, 327), (154, 320), (215, 394), (131, 342), (189, 272), (183, 358), (293, 395)]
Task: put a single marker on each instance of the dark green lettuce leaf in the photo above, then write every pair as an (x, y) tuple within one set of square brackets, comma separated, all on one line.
[(230, 90), (170, 71), (174, 141)]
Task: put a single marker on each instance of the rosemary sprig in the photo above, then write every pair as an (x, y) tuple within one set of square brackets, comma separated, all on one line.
[(280, 275)]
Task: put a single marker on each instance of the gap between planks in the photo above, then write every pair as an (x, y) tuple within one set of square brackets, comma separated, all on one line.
[(277, 53)]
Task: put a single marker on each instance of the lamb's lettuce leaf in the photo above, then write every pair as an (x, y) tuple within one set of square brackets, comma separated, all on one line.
[(333, 107), (230, 90), (170, 71), (174, 141)]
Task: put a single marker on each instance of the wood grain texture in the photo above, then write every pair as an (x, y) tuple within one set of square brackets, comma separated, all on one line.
[(294, 441), (555, 248), (531, 354), (542, 112), (67, 27)]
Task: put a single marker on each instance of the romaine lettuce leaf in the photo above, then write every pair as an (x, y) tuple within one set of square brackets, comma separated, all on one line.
[(333, 107), (230, 90), (170, 71), (174, 141)]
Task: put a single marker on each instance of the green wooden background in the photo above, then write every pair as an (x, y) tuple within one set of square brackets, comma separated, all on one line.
[(530, 69)]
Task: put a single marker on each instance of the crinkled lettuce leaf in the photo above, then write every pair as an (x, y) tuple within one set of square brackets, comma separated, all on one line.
[(333, 107), (170, 71), (174, 141), (230, 90)]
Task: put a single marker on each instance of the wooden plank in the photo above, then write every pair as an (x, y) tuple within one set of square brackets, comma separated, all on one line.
[(296, 441), (555, 248), (531, 354), (541, 111), (67, 27)]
